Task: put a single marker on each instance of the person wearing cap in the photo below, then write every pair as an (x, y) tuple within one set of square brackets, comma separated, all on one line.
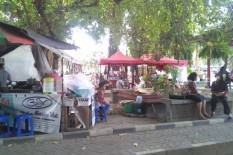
[(219, 91), (5, 76)]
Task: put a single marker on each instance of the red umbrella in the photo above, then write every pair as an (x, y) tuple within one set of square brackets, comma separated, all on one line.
[(151, 60), (120, 59)]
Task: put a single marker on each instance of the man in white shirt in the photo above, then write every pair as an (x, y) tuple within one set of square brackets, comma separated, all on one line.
[(5, 76), (120, 83)]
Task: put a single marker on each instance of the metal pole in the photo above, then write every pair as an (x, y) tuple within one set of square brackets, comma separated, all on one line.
[(62, 107)]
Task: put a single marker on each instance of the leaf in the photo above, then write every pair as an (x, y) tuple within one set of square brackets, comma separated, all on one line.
[(210, 44), (10, 145), (56, 142), (84, 147), (122, 134), (135, 144)]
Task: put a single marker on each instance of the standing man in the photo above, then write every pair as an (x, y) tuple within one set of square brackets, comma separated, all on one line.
[(219, 91), (5, 76)]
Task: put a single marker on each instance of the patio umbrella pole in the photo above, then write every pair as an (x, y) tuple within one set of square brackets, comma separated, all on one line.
[(62, 107), (132, 73), (126, 73), (108, 72)]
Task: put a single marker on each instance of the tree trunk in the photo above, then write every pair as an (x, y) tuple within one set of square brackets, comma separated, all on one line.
[(112, 48), (225, 65), (208, 73)]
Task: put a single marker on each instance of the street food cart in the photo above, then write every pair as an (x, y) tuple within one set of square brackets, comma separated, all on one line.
[(26, 62)]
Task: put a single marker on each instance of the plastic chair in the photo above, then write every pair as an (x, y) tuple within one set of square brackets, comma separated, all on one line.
[(103, 110), (5, 119), (19, 119)]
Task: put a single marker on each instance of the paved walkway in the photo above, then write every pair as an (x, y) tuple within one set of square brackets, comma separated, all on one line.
[(119, 120), (146, 142)]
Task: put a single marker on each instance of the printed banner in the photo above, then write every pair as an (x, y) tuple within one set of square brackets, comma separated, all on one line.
[(45, 109), (84, 101)]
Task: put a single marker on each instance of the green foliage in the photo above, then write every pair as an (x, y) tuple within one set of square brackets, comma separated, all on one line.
[(173, 71), (146, 26), (160, 84), (146, 77), (53, 18), (215, 38), (216, 44), (190, 70)]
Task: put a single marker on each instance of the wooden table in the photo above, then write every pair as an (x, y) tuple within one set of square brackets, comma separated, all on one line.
[(146, 99)]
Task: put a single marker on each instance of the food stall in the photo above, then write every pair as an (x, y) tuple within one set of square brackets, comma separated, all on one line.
[(118, 60), (25, 60)]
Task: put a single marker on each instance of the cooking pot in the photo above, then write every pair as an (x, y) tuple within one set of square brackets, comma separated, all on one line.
[(31, 81)]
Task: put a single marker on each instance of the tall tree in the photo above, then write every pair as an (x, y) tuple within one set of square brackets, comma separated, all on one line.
[(217, 35), (46, 17), (145, 25)]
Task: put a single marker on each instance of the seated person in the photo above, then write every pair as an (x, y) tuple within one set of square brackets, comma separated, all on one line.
[(193, 95), (120, 83), (219, 91), (99, 98), (225, 75)]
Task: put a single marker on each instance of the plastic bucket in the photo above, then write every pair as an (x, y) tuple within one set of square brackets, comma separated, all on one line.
[(138, 99), (128, 107), (137, 109), (48, 85)]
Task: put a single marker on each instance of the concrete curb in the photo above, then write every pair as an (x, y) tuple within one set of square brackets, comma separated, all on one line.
[(18, 140), (109, 131), (193, 149), (48, 137), (101, 132)]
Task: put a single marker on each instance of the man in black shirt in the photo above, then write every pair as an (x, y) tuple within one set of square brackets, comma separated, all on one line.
[(225, 75), (219, 91)]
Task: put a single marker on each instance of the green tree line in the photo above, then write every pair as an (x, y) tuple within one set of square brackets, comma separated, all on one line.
[(173, 27)]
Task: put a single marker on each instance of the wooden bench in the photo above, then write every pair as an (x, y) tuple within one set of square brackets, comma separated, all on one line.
[(185, 109), (151, 105), (146, 98)]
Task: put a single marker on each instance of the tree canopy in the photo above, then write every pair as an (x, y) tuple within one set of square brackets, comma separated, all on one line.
[(169, 26)]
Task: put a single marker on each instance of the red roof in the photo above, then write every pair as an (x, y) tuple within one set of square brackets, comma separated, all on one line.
[(120, 59), (150, 59)]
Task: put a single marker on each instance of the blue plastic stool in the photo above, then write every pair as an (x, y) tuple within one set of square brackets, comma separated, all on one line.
[(104, 117), (19, 119), (5, 119)]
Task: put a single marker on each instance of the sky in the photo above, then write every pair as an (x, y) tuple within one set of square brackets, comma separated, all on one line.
[(88, 45)]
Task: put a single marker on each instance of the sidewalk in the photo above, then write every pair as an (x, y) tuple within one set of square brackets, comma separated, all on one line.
[(119, 120), (207, 137)]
